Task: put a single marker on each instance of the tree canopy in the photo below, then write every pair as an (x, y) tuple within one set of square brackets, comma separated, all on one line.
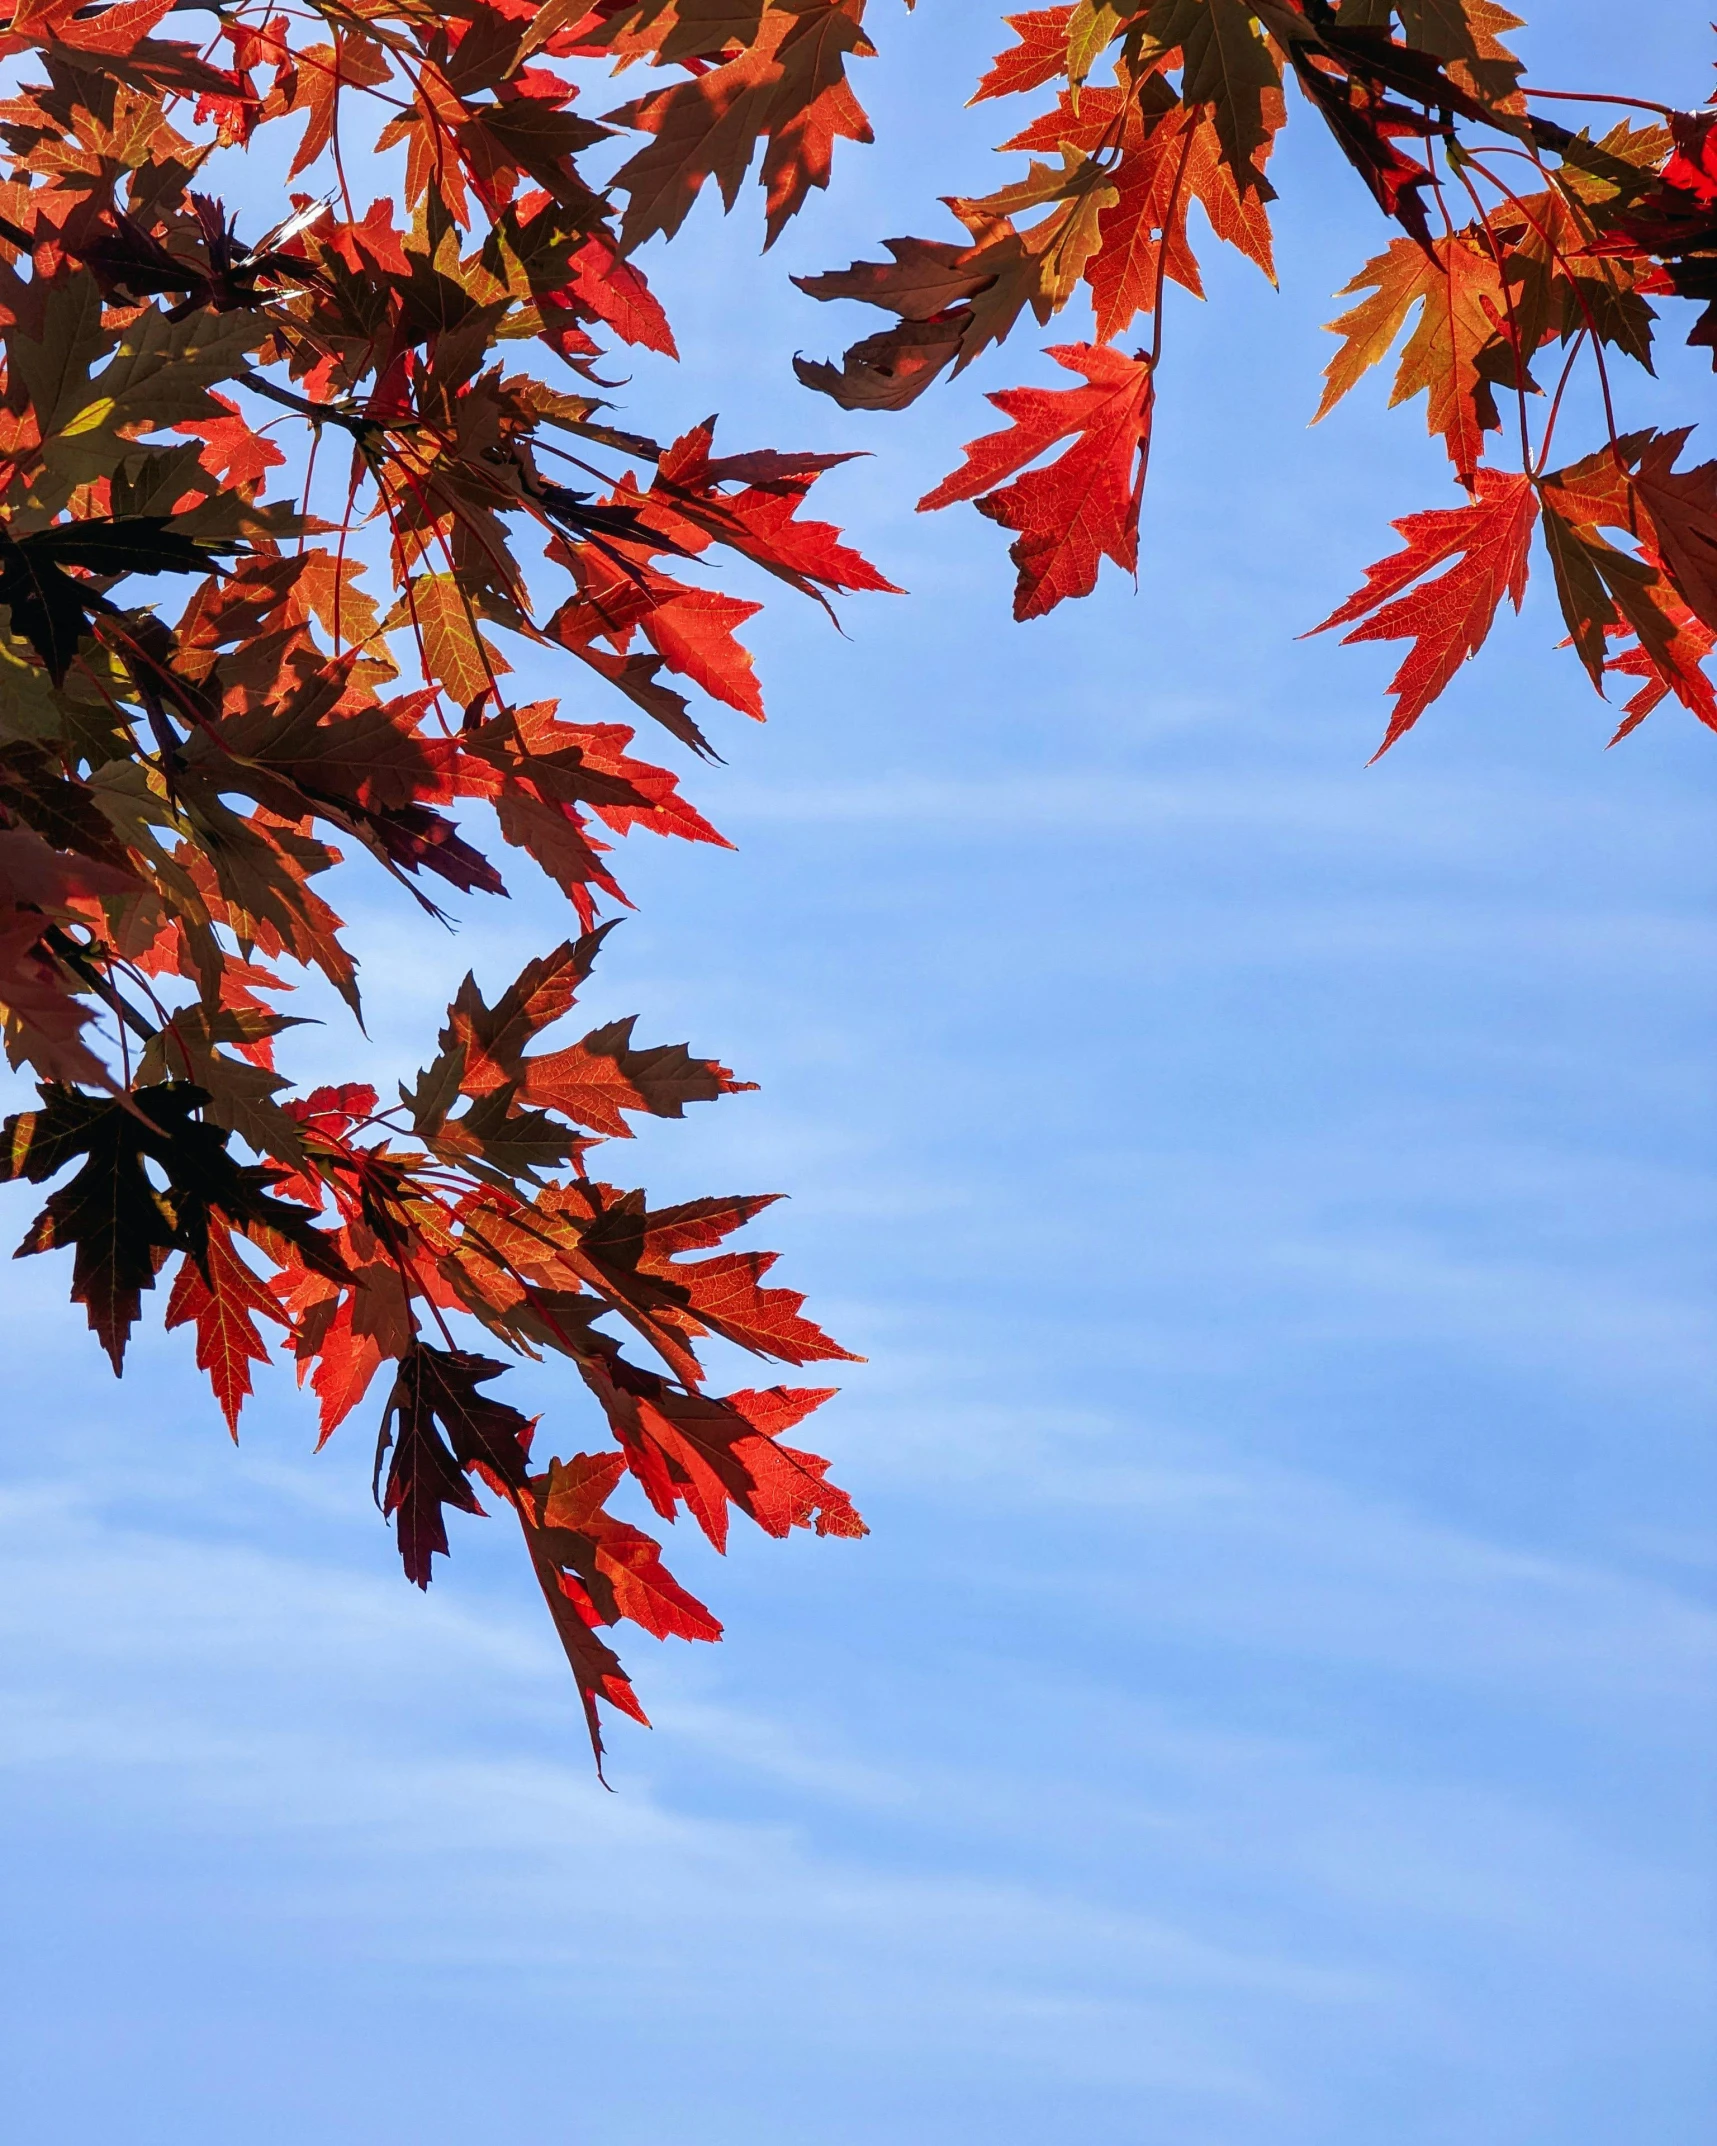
[(277, 502)]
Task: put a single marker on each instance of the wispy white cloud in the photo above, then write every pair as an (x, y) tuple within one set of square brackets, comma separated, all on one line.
[(411, 1765)]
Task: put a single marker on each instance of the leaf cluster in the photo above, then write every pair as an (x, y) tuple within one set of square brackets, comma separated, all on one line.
[(1529, 250), (213, 689), (210, 442)]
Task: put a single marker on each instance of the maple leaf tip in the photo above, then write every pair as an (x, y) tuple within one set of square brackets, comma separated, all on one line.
[(1391, 737)]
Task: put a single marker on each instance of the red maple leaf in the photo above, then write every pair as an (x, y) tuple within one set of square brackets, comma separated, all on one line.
[(615, 292), (1448, 618), (1084, 506), (1038, 57), (223, 1299)]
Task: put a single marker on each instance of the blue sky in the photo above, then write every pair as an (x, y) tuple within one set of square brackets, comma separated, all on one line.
[(1278, 1201)]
